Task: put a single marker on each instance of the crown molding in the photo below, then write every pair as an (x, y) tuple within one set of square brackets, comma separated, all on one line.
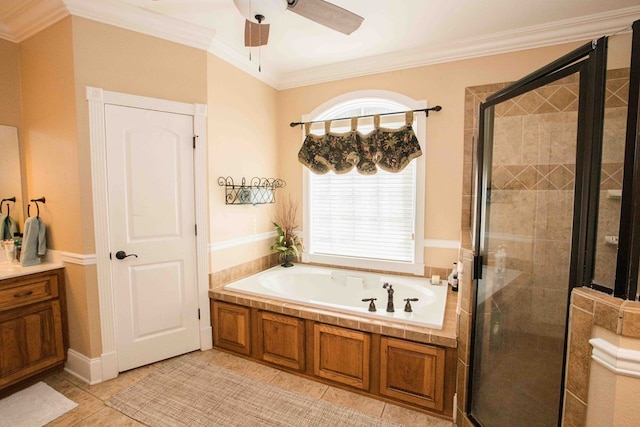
[(29, 17), (132, 18), (558, 32)]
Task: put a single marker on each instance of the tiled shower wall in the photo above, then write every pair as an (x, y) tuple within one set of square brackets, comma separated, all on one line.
[(532, 188)]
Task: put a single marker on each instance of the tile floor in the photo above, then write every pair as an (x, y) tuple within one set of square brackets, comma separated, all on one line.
[(92, 411)]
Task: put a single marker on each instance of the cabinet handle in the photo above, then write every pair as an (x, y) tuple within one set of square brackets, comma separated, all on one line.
[(22, 294)]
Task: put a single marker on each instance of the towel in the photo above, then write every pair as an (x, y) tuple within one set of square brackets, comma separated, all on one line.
[(34, 242), (7, 227)]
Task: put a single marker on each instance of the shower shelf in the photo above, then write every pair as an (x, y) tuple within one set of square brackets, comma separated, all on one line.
[(614, 194), (259, 191)]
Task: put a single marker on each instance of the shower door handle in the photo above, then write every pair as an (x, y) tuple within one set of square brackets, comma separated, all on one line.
[(123, 255)]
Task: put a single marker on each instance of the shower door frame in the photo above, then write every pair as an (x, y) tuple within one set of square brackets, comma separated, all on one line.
[(590, 61), (628, 259)]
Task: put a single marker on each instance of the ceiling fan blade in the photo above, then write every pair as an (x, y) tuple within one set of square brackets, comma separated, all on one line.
[(255, 34), (327, 14)]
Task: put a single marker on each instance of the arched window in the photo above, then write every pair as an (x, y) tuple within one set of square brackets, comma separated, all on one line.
[(366, 221)]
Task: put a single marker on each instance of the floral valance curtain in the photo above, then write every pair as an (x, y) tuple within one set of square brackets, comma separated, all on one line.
[(388, 149)]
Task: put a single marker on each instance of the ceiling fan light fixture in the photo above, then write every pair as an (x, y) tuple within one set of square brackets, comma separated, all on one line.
[(269, 9)]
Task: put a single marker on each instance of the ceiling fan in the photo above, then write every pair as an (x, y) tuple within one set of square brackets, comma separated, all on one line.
[(259, 13)]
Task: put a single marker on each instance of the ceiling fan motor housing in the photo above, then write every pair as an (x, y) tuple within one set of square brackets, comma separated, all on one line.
[(268, 9)]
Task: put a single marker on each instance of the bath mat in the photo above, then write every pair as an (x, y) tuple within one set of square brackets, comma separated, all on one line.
[(33, 407), (189, 392)]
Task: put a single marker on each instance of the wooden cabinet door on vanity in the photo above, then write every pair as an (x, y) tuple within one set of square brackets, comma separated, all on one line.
[(412, 372), (281, 340), (33, 330), (342, 355), (231, 327)]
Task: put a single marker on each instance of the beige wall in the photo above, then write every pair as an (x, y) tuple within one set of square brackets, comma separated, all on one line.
[(242, 126), (10, 105), (441, 84), (56, 66), (49, 133), (118, 60)]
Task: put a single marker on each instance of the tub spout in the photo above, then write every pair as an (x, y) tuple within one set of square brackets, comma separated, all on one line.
[(390, 291)]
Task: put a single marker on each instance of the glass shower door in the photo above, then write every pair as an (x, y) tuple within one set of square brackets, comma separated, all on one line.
[(531, 161)]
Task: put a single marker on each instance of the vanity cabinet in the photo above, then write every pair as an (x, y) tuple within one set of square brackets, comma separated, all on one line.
[(33, 328), (342, 355), (232, 324), (281, 340), (412, 372)]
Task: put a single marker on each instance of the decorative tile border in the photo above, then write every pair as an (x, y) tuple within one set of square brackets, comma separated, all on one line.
[(550, 177)]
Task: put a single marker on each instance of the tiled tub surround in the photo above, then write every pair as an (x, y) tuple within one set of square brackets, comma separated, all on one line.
[(444, 338)]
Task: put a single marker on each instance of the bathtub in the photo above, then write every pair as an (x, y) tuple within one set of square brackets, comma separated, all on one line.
[(343, 290)]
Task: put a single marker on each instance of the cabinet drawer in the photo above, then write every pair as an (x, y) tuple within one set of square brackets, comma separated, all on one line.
[(29, 290)]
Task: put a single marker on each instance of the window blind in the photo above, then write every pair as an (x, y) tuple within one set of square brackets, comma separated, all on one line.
[(354, 215)]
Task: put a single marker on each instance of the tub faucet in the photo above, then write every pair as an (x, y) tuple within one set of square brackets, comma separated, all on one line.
[(390, 291)]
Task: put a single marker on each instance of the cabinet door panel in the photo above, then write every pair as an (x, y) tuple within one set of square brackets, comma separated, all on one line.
[(30, 342), (342, 355), (412, 372), (231, 327), (281, 340)]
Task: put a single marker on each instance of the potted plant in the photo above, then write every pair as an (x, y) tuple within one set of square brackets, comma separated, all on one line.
[(288, 243)]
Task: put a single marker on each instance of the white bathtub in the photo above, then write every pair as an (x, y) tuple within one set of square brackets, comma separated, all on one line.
[(343, 290)]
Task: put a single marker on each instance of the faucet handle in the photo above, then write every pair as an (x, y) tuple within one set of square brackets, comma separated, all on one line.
[(372, 305), (407, 306)]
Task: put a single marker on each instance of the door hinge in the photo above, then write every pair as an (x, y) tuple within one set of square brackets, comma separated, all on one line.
[(195, 137), (196, 227), (477, 267), (110, 255), (198, 314)]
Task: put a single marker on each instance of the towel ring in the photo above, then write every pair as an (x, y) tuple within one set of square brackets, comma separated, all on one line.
[(10, 199), (41, 199)]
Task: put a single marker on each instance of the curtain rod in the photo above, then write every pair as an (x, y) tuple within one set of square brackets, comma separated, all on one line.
[(425, 110)]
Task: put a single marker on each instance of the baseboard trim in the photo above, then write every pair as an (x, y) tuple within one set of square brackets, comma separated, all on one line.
[(85, 369), (206, 338)]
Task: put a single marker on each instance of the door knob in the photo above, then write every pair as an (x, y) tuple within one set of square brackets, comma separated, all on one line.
[(123, 255)]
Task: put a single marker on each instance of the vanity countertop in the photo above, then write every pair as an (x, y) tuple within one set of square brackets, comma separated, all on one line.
[(9, 270)]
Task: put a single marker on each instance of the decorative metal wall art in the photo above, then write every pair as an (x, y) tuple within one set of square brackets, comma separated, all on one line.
[(259, 191)]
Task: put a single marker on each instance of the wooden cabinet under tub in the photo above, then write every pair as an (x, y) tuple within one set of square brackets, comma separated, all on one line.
[(33, 328), (342, 355), (412, 372), (281, 340), (231, 330), (408, 373)]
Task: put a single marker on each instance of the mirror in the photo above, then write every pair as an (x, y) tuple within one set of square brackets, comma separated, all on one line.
[(10, 177)]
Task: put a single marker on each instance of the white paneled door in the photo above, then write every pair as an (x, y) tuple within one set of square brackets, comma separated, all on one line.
[(152, 234)]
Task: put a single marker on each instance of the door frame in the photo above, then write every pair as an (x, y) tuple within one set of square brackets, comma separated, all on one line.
[(97, 98)]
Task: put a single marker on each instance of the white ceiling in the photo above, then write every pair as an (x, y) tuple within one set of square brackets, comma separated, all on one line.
[(395, 34)]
